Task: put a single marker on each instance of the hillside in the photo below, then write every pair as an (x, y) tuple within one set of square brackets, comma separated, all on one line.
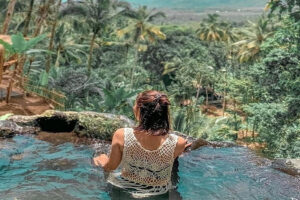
[(190, 11), (200, 5)]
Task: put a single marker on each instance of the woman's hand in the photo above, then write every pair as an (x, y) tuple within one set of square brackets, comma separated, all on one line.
[(101, 160), (112, 162), (188, 145)]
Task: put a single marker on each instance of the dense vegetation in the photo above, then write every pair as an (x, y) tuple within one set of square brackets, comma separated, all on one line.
[(101, 53)]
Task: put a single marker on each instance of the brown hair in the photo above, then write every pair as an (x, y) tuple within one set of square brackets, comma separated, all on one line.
[(152, 111)]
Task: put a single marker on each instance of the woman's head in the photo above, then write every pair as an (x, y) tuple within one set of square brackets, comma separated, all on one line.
[(151, 109)]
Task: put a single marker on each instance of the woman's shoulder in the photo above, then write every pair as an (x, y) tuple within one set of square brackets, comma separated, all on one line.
[(119, 135), (180, 140), (180, 146), (120, 131)]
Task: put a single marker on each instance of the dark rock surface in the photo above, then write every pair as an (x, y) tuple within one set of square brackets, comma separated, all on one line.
[(9, 129), (289, 166), (197, 143)]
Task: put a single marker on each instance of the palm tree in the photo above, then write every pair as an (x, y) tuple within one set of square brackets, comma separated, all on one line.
[(97, 14), (253, 37), (66, 47), (28, 18), (43, 13), (141, 31), (2, 52), (53, 31), (214, 30), (22, 15)]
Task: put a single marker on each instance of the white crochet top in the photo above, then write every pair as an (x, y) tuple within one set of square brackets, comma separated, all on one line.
[(146, 172)]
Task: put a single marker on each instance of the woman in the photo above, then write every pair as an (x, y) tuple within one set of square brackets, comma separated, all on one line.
[(145, 153)]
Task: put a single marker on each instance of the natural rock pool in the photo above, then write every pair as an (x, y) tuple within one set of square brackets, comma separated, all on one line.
[(43, 167)]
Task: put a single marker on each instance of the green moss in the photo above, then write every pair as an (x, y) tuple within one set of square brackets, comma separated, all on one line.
[(97, 126)]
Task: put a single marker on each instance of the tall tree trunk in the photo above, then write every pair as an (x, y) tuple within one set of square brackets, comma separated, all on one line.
[(11, 82), (28, 18), (224, 103), (2, 52), (57, 57), (91, 52), (235, 116), (133, 69), (224, 96), (53, 29), (9, 14), (44, 11), (25, 33), (198, 89), (30, 65), (247, 125), (254, 127), (206, 92), (20, 69), (198, 92)]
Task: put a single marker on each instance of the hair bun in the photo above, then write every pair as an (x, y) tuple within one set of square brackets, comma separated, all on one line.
[(153, 112)]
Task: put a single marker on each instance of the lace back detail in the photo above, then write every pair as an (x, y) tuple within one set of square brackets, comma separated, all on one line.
[(145, 172)]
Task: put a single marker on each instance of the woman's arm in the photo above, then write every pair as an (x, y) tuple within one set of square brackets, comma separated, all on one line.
[(181, 146), (112, 162)]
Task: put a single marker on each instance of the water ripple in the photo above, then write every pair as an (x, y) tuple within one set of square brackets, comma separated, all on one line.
[(34, 169)]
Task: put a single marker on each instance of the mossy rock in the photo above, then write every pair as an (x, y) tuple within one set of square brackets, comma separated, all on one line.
[(84, 124), (100, 125), (97, 126)]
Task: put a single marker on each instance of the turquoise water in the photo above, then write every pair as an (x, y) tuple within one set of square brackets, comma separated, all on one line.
[(35, 169), (199, 4)]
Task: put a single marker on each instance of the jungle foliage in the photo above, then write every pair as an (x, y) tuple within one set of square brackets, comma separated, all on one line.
[(105, 52)]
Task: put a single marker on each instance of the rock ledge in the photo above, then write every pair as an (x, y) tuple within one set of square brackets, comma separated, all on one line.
[(84, 124)]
